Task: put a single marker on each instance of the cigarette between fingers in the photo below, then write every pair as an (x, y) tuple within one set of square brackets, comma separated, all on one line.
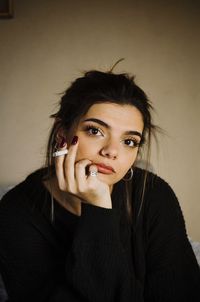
[(60, 153)]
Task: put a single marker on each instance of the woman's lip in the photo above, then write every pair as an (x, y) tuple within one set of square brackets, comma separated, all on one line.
[(104, 169)]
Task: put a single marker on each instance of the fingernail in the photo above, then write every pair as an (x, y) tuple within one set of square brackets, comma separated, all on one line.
[(75, 140), (63, 142)]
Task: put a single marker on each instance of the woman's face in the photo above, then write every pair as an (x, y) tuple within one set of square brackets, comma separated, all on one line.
[(109, 135)]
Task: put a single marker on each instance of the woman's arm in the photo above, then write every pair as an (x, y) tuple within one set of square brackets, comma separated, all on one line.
[(172, 270), (98, 262), (96, 267)]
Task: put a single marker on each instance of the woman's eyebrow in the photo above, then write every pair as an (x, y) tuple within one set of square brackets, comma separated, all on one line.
[(102, 123)]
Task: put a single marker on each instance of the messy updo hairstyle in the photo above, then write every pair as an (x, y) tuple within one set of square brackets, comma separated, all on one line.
[(101, 87)]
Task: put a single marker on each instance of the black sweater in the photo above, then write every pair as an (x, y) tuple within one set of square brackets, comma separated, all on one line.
[(99, 256)]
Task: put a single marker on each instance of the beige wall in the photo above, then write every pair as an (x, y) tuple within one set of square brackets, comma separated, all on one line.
[(49, 42)]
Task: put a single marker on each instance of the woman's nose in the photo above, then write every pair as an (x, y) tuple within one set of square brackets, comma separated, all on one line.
[(110, 150)]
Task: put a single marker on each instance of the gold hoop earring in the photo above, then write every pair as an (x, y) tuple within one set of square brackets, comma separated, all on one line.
[(130, 171)]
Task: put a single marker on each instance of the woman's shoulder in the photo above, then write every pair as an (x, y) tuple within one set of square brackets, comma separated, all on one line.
[(152, 179), (23, 194), (152, 182), (158, 194), (20, 216), (161, 213)]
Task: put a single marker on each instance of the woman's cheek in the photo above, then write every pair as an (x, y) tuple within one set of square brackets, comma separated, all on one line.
[(83, 152), (87, 147)]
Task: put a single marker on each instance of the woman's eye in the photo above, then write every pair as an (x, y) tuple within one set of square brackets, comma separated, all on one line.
[(93, 131), (132, 143)]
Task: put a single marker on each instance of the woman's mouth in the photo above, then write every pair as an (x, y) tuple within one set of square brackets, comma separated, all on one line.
[(104, 169)]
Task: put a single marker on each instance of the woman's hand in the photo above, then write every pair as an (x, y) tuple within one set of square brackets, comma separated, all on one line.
[(72, 178)]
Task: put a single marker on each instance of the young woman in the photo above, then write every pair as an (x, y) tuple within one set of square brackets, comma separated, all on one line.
[(91, 226)]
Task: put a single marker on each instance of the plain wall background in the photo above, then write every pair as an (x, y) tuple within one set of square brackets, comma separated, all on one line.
[(48, 43)]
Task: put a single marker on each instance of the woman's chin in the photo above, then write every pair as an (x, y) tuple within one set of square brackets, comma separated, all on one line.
[(107, 178)]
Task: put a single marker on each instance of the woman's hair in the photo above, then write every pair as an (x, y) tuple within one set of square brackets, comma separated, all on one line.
[(100, 87)]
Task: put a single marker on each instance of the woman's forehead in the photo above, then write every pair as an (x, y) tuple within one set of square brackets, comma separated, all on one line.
[(115, 114)]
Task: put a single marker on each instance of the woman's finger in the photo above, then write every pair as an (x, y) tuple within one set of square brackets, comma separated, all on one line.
[(59, 161), (69, 165), (93, 171), (81, 173), (92, 178)]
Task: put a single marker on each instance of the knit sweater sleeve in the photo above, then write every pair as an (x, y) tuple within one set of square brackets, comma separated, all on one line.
[(172, 272), (96, 267)]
